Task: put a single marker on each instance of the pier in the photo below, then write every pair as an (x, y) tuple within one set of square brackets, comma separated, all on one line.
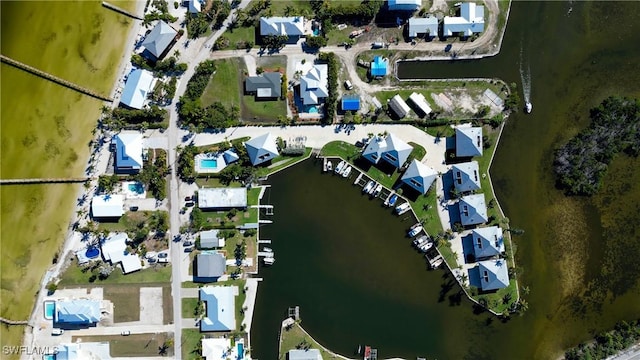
[(14, 322), (43, 181), (55, 79), (121, 11)]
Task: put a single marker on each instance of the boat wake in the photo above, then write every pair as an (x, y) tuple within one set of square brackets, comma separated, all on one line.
[(525, 77)]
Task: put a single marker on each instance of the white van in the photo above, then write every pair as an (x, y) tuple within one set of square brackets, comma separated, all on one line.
[(348, 85), (57, 331)]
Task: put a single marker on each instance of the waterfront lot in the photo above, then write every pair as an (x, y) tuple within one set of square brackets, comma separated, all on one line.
[(133, 345), (158, 273)]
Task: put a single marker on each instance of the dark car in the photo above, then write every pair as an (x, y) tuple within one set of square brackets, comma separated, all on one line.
[(188, 198), (133, 208), (187, 243), (163, 255), (359, 144), (189, 204), (188, 249)]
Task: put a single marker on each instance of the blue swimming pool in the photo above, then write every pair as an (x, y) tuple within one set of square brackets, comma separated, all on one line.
[(136, 187), (208, 163), (316, 32), (92, 252), (48, 357), (240, 351), (313, 110), (49, 308)]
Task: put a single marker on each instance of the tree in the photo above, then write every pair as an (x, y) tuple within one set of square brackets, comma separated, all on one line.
[(52, 287), (316, 42)]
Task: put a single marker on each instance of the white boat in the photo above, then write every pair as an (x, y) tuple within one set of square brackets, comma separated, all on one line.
[(266, 249), (393, 199), (367, 188), (402, 208), (377, 191), (420, 240), (329, 166), (370, 192), (424, 247), (269, 260), (415, 226), (528, 107), (436, 263), (415, 231), (340, 166), (346, 171), (324, 165)]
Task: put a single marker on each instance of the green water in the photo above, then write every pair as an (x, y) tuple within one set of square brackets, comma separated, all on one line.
[(344, 261), (45, 129)]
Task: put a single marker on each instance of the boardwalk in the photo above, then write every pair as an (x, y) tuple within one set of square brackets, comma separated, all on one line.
[(13, 322), (121, 11), (42, 181), (55, 79)]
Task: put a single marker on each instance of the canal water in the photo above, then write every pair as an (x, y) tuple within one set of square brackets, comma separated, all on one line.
[(344, 260)]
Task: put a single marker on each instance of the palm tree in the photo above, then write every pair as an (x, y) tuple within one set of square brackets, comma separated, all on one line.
[(525, 290), (523, 305), (288, 10)]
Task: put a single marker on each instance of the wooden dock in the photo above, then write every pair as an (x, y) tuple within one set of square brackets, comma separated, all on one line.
[(358, 179), (55, 79), (121, 11), (42, 181)]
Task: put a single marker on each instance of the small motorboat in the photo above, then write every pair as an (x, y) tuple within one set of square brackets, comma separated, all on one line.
[(347, 171), (436, 264), (424, 247), (269, 260), (377, 191), (416, 231), (528, 107), (367, 188), (266, 249), (324, 165), (340, 166), (329, 166), (403, 208), (393, 199), (415, 225), (375, 186), (420, 240)]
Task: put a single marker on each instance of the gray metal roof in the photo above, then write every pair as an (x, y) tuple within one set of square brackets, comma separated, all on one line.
[(261, 149), (473, 209), (466, 176), (419, 176), (487, 241), (399, 106), (468, 141), (210, 264), (494, 274), (270, 81), (311, 354), (209, 239), (159, 38), (278, 25), (391, 148), (421, 25)]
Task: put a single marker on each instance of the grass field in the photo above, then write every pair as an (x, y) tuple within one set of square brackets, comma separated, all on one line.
[(294, 337), (50, 123), (224, 86), (258, 111), (189, 306), (157, 275), (135, 345), (240, 34), (190, 340), (281, 161), (126, 302)]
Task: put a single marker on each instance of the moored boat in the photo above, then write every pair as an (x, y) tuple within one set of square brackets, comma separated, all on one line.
[(436, 263), (377, 191), (266, 249), (528, 107), (393, 199), (420, 240), (329, 166), (370, 192), (415, 231), (324, 165), (347, 171), (269, 260), (368, 187), (424, 247), (340, 166), (402, 208)]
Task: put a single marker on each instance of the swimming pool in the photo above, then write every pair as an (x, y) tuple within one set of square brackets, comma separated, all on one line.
[(208, 163), (48, 357), (49, 309), (313, 110), (240, 351), (136, 187)]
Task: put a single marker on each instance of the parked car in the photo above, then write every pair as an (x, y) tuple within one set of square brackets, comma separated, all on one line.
[(188, 249), (187, 243), (125, 333), (188, 198), (151, 260), (163, 255), (133, 208), (348, 85), (56, 331), (177, 238), (359, 144), (190, 204)]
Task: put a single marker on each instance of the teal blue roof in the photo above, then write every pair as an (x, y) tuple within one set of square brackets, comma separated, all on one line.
[(378, 66)]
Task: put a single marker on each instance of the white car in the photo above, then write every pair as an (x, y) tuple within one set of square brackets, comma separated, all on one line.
[(57, 331)]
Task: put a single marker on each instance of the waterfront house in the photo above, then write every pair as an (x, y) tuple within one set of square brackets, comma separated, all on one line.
[(404, 5), (291, 26), (423, 27), (350, 103), (399, 107), (468, 141), (77, 312), (390, 149), (487, 241), (139, 84), (419, 176), (218, 349), (379, 66), (107, 206), (421, 103), (473, 210), (222, 198), (313, 85), (267, 86), (128, 152), (209, 239), (494, 274), (114, 250), (309, 354), (261, 149), (466, 176), (210, 265), (195, 6), (470, 21), (159, 41), (220, 311)]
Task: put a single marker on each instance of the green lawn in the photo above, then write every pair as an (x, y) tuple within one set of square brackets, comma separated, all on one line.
[(190, 340), (134, 345), (341, 149), (294, 337), (213, 182), (189, 306), (281, 163), (126, 302), (240, 35), (127, 222), (496, 301), (158, 274), (259, 111), (224, 86), (272, 63), (167, 310)]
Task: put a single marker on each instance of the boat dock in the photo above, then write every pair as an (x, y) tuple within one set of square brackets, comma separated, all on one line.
[(265, 254), (264, 241), (43, 181), (294, 313), (121, 11), (358, 178)]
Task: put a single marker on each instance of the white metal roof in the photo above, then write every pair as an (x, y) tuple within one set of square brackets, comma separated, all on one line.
[(220, 308), (138, 86), (129, 150), (471, 20), (279, 25), (107, 206), (223, 198), (420, 102)]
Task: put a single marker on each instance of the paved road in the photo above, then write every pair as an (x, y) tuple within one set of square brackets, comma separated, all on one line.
[(117, 330)]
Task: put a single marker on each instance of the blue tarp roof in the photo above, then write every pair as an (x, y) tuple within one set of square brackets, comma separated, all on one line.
[(378, 67), (350, 103)]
